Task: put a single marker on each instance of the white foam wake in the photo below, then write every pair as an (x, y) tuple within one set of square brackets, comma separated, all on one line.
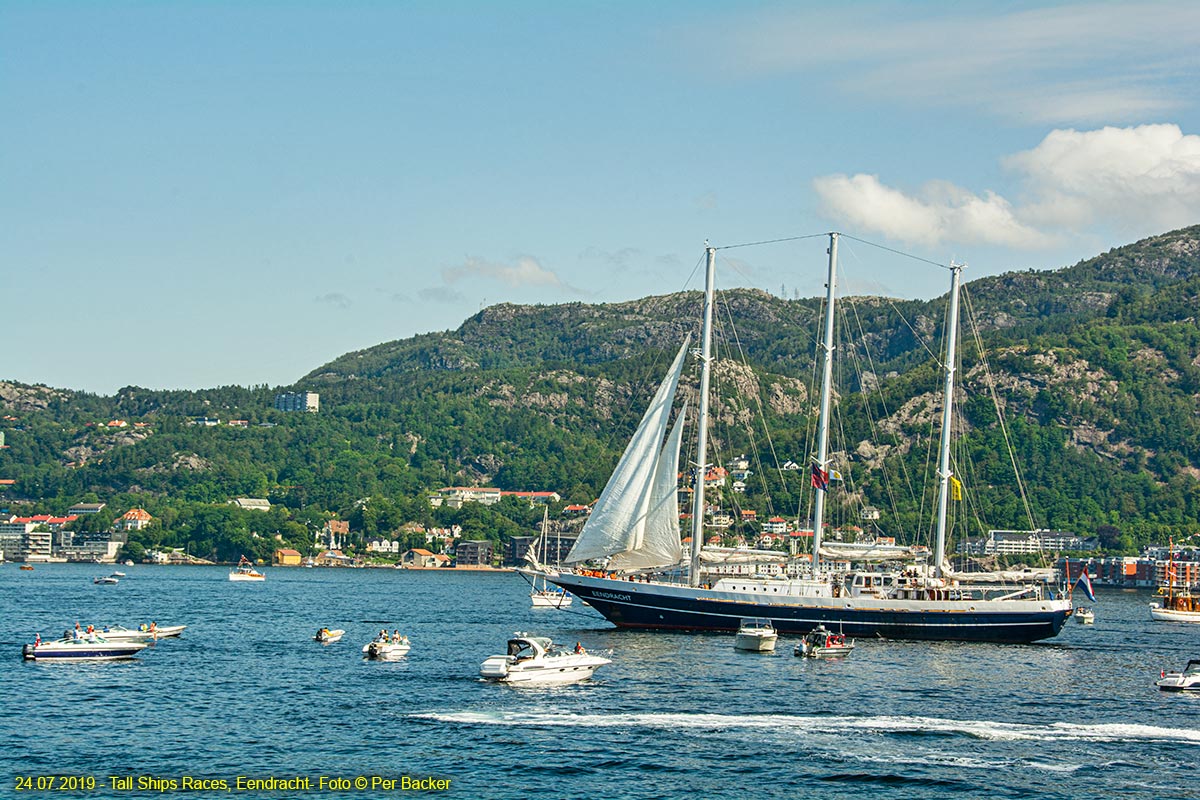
[(982, 729)]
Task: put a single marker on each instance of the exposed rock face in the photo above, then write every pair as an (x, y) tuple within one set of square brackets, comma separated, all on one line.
[(788, 396), (100, 442), (28, 398), (180, 461)]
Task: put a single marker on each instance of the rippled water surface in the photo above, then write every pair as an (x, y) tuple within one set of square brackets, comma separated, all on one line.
[(246, 692)]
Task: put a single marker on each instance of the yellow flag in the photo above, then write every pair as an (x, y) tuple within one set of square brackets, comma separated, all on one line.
[(955, 488)]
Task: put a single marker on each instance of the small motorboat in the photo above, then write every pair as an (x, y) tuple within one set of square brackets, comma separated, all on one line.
[(27, 567), (327, 636), (81, 647), (1186, 681), (821, 642), (386, 648), (143, 633), (245, 571), (109, 579), (756, 635), (536, 660), (117, 575), (1085, 616)]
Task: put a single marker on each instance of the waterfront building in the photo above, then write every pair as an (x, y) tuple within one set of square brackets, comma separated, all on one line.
[(287, 557), (1002, 542), (475, 553), (421, 558)]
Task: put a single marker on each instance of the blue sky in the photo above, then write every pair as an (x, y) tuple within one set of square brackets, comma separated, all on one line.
[(199, 194)]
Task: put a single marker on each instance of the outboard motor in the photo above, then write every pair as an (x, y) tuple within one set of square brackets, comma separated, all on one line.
[(28, 652), (373, 650)]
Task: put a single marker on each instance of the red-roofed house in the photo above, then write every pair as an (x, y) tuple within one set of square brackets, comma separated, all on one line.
[(419, 557), (775, 525), (287, 557), (134, 520), (330, 533), (716, 476)]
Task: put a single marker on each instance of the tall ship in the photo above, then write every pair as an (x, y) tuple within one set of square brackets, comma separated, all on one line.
[(630, 563)]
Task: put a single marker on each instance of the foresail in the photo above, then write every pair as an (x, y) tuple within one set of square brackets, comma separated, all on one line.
[(618, 518), (660, 545)]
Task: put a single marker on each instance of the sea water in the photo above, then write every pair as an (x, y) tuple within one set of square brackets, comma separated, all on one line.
[(246, 694)]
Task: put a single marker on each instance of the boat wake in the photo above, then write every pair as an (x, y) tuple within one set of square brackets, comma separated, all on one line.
[(980, 729)]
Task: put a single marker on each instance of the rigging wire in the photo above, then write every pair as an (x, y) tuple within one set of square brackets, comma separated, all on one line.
[(772, 241), (895, 251), (991, 385), (736, 342)]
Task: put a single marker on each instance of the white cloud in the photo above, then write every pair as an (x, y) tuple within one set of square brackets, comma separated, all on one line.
[(1139, 180), (939, 212), (1082, 63), (1143, 176), (526, 271)]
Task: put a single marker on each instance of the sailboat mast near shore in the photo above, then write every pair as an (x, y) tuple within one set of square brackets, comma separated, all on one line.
[(633, 539)]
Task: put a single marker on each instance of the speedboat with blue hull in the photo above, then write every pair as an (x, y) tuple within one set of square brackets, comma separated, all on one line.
[(633, 541), (81, 648)]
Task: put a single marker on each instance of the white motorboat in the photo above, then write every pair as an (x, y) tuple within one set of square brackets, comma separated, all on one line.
[(327, 636), (143, 633), (165, 631), (1186, 681), (245, 571), (536, 660), (757, 635), (108, 579), (1162, 614), (117, 575), (386, 648), (88, 647), (1085, 616), (823, 643), (1179, 603)]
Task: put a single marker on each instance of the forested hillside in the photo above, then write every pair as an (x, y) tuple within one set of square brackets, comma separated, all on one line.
[(1097, 366)]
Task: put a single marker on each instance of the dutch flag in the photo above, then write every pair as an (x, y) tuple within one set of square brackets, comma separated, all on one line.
[(1086, 582)]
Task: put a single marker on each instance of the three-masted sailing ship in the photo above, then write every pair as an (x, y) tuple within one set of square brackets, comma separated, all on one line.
[(634, 535)]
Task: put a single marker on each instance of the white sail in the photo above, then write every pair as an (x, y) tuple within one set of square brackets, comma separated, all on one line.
[(660, 544), (618, 519)]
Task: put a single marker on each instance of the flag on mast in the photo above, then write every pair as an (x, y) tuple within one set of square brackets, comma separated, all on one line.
[(1086, 582), (820, 478)]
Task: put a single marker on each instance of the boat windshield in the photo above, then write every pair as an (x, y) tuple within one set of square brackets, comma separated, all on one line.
[(526, 648), (1193, 668)]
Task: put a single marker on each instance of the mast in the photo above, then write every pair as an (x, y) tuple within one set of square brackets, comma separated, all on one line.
[(944, 473), (822, 462), (702, 418)]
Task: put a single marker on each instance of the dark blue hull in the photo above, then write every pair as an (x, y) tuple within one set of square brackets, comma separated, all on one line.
[(662, 607)]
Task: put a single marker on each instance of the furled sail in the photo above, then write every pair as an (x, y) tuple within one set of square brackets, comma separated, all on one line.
[(741, 555), (619, 518), (659, 544), (871, 551)]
